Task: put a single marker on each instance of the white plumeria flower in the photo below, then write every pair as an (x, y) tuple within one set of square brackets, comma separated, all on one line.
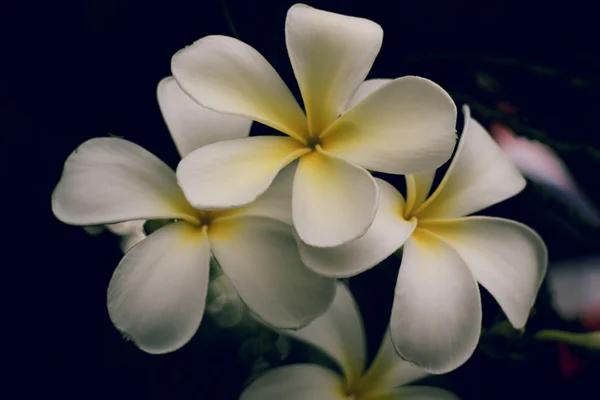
[(436, 315), (340, 334), (407, 126), (157, 293)]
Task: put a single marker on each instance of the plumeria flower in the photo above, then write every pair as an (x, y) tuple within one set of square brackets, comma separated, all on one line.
[(157, 293), (407, 126), (339, 333), (436, 315)]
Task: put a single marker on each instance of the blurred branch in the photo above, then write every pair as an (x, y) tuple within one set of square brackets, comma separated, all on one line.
[(586, 339), (521, 128), (508, 62), (230, 24)]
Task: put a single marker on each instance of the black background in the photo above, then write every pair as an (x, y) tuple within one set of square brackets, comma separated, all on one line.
[(73, 71)]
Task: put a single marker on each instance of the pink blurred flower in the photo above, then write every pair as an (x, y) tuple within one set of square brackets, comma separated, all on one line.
[(539, 163)]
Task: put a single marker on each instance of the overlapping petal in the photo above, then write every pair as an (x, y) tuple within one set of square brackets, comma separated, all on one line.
[(227, 75), (157, 293), (107, 180), (339, 333), (405, 126), (296, 382), (234, 172), (331, 54), (436, 315), (276, 202), (415, 393), (193, 126), (387, 234), (388, 371), (260, 257), (506, 257), (333, 201), (418, 187), (480, 175), (365, 89)]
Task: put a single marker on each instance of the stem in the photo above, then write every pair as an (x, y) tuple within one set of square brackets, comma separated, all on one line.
[(588, 339), (229, 20)]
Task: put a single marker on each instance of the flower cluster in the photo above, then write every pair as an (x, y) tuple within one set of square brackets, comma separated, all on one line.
[(284, 216)]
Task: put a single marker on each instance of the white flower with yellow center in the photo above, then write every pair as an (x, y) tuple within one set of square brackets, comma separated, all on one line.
[(436, 315), (340, 334), (158, 292), (407, 126)]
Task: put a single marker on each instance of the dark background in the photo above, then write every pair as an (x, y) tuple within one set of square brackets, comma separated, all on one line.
[(73, 71)]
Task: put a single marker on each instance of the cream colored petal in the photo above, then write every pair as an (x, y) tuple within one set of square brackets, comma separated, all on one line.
[(334, 201), (296, 382), (480, 175), (157, 293), (228, 76), (415, 393), (191, 125), (276, 202), (365, 89), (507, 258), (387, 234), (234, 172), (331, 55), (406, 126), (418, 187), (260, 258), (127, 227), (339, 333), (388, 370), (107, 180), (436, 314)]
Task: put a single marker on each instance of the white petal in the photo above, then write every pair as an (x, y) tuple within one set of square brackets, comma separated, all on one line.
[(193, 126), (131, 232), (276, 202), (506, 257), (331, 55), (339, 333), (333, 201), (480, 175), (157, 293), (416, 393), (128, 241), (296, 382), (235, 172), (365, 89), (388, 370), (418, 187), (226, 75), (387, 234), (436, 315), (260, 257), (108, 180), (127, 227), (406, 126)]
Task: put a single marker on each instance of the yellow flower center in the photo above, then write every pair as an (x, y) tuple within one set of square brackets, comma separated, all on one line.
[(314, 143)]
